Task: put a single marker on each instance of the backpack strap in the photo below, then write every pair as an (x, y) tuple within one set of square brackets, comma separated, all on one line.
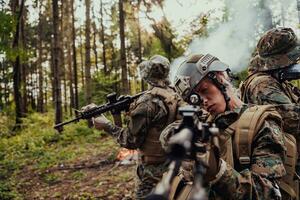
[(248, 126), (226, 144)]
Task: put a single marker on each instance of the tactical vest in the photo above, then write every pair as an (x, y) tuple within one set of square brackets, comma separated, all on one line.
[(291, 91), (243, 132), (151, 151), (235, 145)]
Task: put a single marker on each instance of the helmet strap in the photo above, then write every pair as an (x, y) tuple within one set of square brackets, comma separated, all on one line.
[(212, 76)]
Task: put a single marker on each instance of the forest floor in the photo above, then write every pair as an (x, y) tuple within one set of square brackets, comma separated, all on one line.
[(86, 177), (79, 163)]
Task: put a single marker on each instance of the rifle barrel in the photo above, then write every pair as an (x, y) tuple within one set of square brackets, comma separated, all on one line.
[(67, 122), (118, 105)]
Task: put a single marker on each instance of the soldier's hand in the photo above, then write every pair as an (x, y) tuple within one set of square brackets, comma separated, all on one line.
[(88, 107), (101, 123), (211, 160), (167, 133)]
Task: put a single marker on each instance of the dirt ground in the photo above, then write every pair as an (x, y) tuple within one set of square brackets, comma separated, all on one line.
[(95, 177)]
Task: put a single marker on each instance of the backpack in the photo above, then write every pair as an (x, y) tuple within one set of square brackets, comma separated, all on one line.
[(245, 133)]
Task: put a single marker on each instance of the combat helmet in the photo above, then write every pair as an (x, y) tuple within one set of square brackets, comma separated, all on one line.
[(277, 48), (193, 70), (155, 70)]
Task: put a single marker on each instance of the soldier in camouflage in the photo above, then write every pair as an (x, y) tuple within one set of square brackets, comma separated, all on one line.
[(230, 176), (278, 48), (148, 116)]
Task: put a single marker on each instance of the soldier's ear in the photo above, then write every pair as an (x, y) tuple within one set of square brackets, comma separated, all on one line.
[(220, 76)]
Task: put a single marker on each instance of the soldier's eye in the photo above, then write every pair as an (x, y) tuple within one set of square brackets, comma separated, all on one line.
[(203, 90)]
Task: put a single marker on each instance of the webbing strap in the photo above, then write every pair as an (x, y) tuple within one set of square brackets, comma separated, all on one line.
[(226, 144), (288, 189), (247, 127), (186, 191), (174, 186)]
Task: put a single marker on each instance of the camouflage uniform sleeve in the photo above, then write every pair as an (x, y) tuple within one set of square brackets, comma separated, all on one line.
[(142, 114), (291, 117), (260, 181), (167, 133), (266, 90)]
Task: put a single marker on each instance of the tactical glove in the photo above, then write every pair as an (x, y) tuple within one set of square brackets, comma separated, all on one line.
[(102, 123)]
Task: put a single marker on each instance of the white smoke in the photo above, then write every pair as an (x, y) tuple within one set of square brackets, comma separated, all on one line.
[(234, 41)]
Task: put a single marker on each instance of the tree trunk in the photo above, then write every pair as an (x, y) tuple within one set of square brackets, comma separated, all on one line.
[(123, 63), (81, 58), (2, 91), (24, 66), (140, 42), (69, 56), (52, 71), (94, 41), (31, 75), (46, 96), (40, 105), (75, 76), (102, 36), (88, 86), (63, 65), (56, 64), (64, 80), (17, 69), (6, 92)]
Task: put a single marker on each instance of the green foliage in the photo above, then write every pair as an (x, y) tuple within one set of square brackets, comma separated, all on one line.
[(242, 75), (7, 192), (38, 145), (6, 123), (51, 178), (7, 28), (78, 175), (102, 85), (152, 46)]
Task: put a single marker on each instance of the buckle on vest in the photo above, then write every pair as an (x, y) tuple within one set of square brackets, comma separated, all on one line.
[(244, 160)]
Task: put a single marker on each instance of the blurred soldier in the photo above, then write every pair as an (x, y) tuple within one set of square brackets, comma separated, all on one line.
[(249, 162), (148, 116), (275, 62), (276, 49)]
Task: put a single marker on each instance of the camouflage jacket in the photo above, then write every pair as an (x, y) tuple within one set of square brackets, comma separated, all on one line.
[(263, 89), (259, 180), (147, 117), (147, 112)]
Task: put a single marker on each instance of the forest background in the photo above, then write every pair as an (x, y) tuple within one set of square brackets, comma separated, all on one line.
[(59, 55)]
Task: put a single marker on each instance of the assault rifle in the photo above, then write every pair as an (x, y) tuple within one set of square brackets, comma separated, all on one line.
[(289, 73), (114, 105), (183, 145)]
